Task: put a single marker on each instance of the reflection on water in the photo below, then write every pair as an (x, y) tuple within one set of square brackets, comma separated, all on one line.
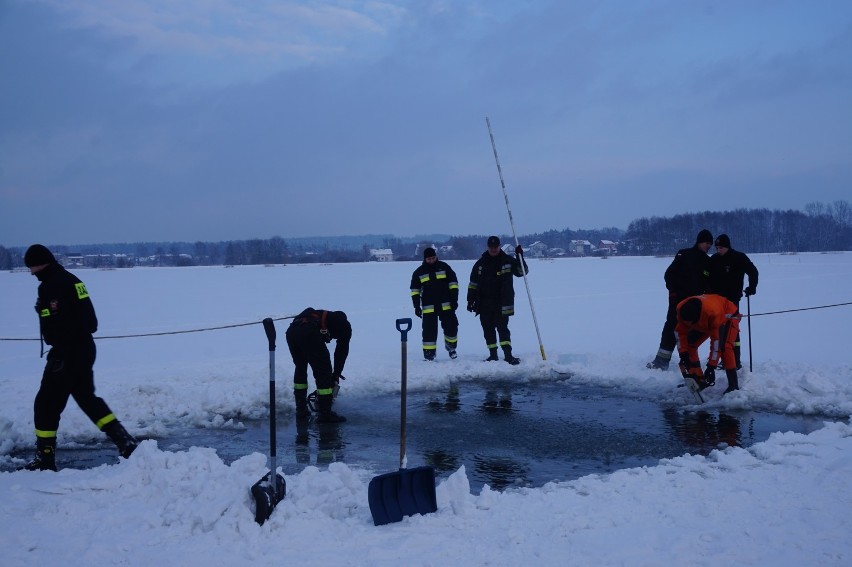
[(505, 434)]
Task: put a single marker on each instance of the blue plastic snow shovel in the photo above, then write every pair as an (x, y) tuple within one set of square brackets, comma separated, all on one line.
[(267, 494), (405, 492)]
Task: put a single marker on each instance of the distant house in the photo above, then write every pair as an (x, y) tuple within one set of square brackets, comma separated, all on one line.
[(537, 249), (581, 247), (381, 254), (608, 247)]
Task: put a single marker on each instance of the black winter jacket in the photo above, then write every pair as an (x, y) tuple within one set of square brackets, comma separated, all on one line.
[(327, 325), (491, 282), (727, 274), (66, 314), (435, 287), (688, 273)]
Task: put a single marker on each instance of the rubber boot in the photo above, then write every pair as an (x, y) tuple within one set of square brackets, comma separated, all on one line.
[(123, 440), (737, 350), (324, 413), (492, 356), (507, 356), (733, 382), (303, 413), (45, 459)]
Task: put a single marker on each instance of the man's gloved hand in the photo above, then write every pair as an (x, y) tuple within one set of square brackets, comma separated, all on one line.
[(471, 306), (454, 305), (710, 375), (418, 312), (750, 290), (518, 250)]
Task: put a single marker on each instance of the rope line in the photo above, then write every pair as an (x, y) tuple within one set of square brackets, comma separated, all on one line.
[(204, 329), (802, 309), (172, 332)]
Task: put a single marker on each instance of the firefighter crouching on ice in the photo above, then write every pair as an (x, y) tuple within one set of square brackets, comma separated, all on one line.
[(307, 337), (702, 317)]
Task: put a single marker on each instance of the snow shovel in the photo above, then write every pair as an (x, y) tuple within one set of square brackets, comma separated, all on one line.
[(407, 491), (268, 494)]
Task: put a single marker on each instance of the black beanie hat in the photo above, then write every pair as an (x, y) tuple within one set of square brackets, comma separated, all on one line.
[(429, 252), (723, 241), (704, 236), (38, 255), (690, 311), (493, 241)]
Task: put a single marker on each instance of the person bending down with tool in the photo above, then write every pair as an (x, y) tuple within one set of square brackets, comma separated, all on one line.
[(702, 317), (307, 337)]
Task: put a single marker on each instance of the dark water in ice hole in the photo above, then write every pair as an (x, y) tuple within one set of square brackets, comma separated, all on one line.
[(505, 434)]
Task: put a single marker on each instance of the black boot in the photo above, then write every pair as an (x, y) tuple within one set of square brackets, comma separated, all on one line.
[(123, 440), (303, 412), (507, 356), (45, 459), (733, 382), (737, 356), (324, 413), (492, 356)]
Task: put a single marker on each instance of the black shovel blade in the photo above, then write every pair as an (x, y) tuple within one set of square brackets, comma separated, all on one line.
[(406, 492), (265, 498)]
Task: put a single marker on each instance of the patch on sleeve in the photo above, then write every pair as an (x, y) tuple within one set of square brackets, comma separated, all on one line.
[(82, 293)]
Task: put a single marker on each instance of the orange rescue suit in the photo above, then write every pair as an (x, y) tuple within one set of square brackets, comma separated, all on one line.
[(720, 321)]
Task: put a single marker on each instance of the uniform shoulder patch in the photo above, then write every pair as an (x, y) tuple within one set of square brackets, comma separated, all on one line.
[(82, 293)]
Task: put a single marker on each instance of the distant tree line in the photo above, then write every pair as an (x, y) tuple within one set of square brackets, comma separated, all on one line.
[(820, 227)]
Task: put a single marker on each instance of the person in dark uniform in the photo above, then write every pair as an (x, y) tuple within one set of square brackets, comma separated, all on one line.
[(728, 268), (67, 321), (686, 276), (307, 337), (491, 295), (435, 294)]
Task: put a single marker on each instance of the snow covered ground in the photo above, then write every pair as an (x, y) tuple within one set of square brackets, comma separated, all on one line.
[(782, 502)]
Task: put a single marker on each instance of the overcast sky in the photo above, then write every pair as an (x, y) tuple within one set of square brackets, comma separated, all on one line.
[(215, 120)]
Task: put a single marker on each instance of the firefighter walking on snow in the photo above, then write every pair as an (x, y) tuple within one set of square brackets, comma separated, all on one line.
[(435, 295), (67, 321)]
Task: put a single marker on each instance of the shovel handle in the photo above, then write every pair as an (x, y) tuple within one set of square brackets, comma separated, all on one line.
[(403, 326), (269, 327)]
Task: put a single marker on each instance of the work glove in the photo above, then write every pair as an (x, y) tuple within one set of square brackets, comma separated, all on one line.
[(418, 312), (688, 369), (454, 305), (471, 306), (710, 375), (750, 290), (518, 250)]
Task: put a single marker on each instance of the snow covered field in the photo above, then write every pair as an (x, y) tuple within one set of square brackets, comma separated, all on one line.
[(782, 502)]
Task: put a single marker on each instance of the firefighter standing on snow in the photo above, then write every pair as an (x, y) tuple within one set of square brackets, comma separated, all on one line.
[(435, 294), (491, 295)]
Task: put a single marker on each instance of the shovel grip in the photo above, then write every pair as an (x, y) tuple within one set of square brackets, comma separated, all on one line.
[(269, 327), (403, 326)]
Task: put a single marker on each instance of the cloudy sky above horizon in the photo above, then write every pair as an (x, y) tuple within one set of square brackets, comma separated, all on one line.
[(220, 119)]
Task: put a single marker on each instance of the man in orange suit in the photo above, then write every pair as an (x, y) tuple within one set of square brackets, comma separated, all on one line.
[(708, 316)]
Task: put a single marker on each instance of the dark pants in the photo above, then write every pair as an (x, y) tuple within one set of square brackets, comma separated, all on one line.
[(307, 347), (69, 374), (449, 324), (495, 324), (668, 338)]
